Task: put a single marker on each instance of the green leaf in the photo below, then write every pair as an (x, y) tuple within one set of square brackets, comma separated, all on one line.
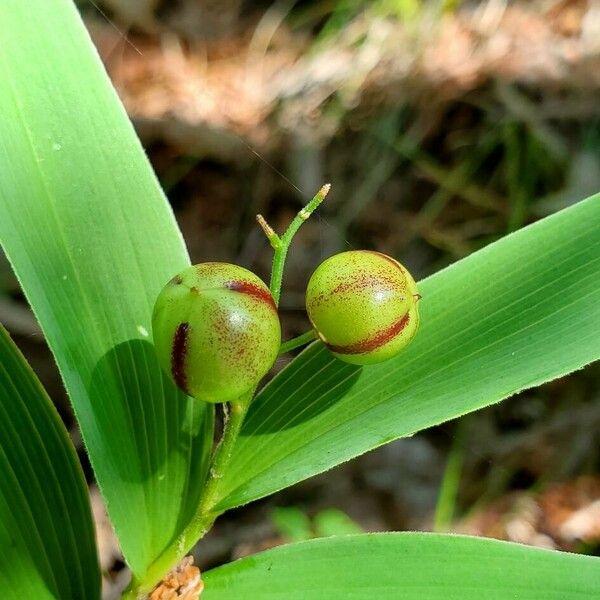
[(335, 522), (410, 566), (522, 311), (47, 543), (292, 523), (92, 240)]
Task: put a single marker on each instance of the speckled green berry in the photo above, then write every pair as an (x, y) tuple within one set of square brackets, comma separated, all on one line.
[(216, 331), (363, 306)]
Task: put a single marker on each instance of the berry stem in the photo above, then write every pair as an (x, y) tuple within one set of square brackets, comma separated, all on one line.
[(205, 514), (282, 244), (273, 238), (298, 341)]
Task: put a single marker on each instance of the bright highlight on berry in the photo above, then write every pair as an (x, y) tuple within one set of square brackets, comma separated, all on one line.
[(216, 331), (363, 306)]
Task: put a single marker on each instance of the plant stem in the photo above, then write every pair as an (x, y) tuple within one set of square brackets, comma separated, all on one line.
[(205, 515), (447, 497), (131, 592), (298, 341), (281, 244)]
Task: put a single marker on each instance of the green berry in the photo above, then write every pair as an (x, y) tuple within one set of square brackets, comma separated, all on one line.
[(363, 306), (216, 331)]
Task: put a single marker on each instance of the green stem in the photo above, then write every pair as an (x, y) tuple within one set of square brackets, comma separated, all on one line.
[(130, 593), (281, 244), (298, 341), (205, 515), (447, 497)]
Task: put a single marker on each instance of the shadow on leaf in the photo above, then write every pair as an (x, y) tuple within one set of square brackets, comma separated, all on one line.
[(154, 435), (294, 385)]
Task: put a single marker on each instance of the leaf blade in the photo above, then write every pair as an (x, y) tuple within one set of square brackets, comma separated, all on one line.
[(92, 240), (47, 540), (407, 565), (487, 331)]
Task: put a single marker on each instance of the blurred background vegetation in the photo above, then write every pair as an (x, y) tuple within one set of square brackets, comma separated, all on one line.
[(442, 125)]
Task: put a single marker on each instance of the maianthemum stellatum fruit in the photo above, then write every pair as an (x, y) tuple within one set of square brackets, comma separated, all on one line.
[(216, 331), (363, 306)]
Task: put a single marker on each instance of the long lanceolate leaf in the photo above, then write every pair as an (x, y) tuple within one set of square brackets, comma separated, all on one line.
[(522, 311), (406, 566), (92, 241), (47, 546)]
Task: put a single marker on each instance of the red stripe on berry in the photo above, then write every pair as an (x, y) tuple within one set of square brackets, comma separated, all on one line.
[(388, 258), (178, 352), (374, 343), (251, 289)]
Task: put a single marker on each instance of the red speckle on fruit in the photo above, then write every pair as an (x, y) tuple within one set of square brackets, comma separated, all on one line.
[(178, 352), (388, 258), (363, 283), (251, 289), (375, 342)]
